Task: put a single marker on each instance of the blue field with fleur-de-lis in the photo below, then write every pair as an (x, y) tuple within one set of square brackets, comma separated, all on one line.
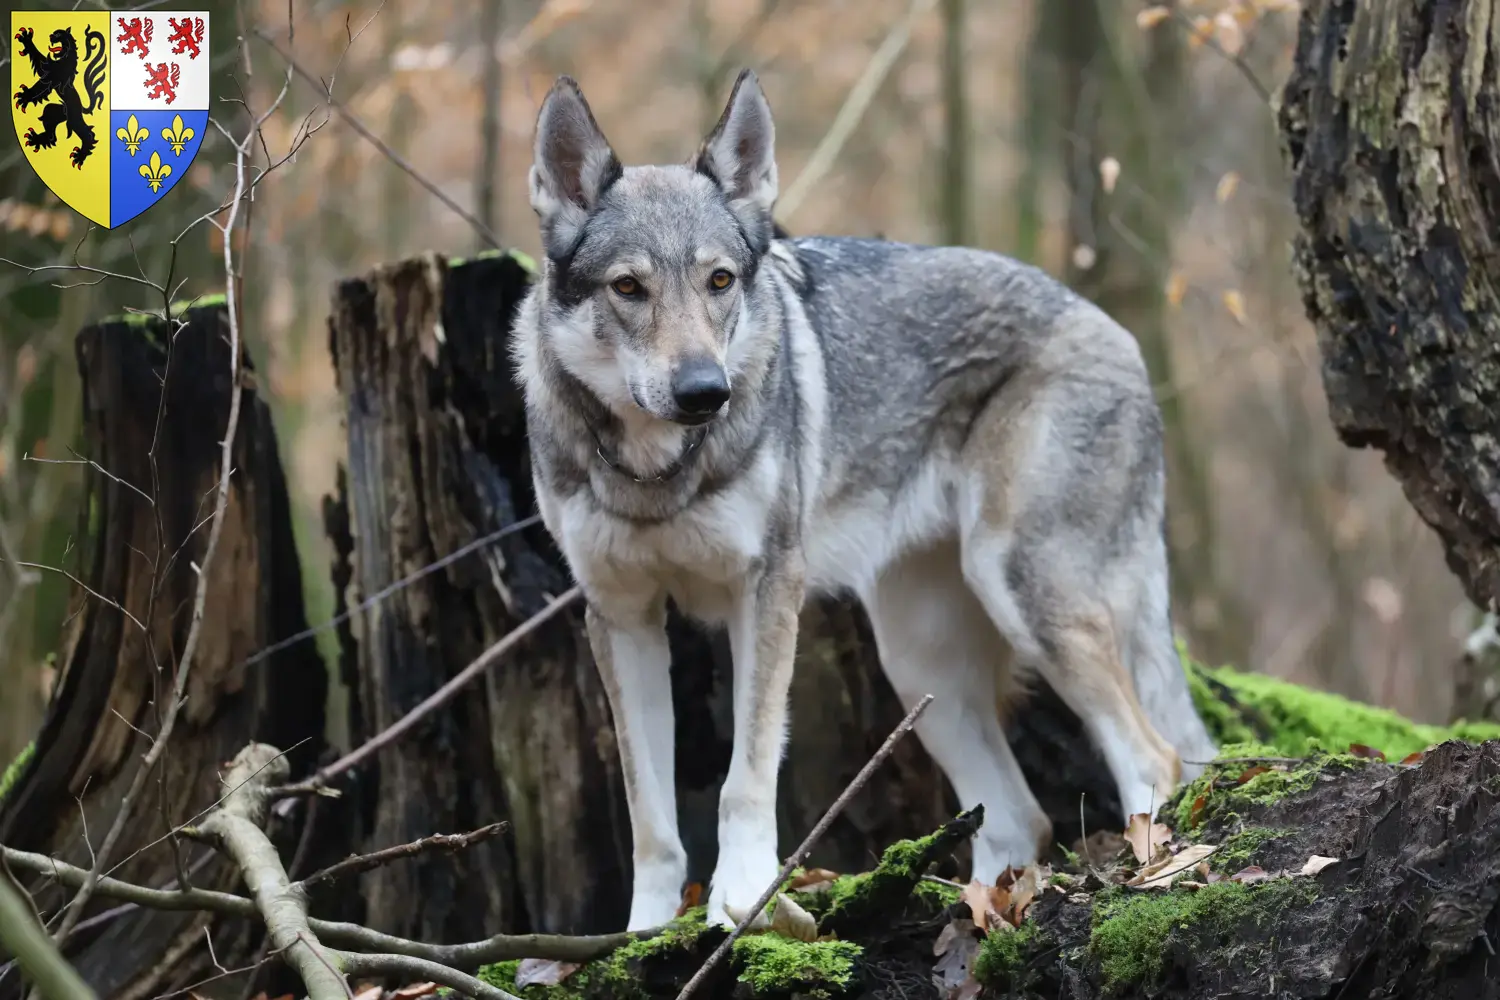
[(111, 107)]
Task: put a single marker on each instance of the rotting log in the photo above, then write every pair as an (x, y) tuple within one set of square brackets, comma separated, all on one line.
[(106, 701), (1391, 125), (1404, 901), (438, 459)]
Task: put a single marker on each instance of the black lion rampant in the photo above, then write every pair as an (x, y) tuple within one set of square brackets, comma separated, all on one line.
[(57, 74)]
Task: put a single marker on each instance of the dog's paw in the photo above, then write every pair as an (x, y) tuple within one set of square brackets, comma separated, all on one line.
[(738, 882), (652, 909)]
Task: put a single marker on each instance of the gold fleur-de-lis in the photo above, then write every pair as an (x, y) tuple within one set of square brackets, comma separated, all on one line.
[(132, 135), (177, 135), (156, 171)]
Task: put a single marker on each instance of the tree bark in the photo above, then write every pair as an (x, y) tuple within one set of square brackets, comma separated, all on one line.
[(113, 678), (1391, 124), (438, 458)]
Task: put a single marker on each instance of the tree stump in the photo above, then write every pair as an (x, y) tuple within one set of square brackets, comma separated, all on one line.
[(115, 677), (1391, 124), (438, 458)]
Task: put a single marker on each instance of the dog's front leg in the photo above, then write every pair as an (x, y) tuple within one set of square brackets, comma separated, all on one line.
[(634, 662), (763, 642)]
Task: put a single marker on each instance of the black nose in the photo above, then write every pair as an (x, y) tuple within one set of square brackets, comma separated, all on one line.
[(699, 386)]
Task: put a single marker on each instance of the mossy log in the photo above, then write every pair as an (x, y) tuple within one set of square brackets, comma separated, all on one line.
[(114, 677), (1403, 900), (1391, 125)]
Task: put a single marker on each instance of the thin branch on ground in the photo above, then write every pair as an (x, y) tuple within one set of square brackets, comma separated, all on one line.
[(447, 842), (465, 955), (235, 828), (808, 842), (419, 970)]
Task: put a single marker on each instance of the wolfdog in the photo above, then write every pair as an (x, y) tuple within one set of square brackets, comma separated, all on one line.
[(734, 419)]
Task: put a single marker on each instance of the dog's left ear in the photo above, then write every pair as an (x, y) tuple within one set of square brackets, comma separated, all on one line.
[(740, 153)]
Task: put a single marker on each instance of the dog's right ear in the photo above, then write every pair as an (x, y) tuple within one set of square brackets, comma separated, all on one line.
[(573, 165)]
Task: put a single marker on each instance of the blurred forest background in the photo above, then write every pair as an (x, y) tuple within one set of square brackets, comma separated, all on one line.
[(1128, 148)]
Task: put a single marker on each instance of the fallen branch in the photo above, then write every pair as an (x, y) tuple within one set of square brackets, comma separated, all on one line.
[(449, 842), (419, 970), (465, 955), (801, 853), (236, 828)]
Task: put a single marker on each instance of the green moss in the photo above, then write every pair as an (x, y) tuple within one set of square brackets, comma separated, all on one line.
[(616, 973), (936, 895), (1239, 851), (1270, 785), (773, 964), (14, 768), (1296, 715), (1132, 929), (524, 259), (1002, 957)]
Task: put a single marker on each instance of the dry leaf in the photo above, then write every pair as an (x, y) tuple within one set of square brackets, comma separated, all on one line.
[(1317, 863), (1251, 772), (370, 993), (1225, 189), (1022, 892), (1176, 288), (1146, 837), (1254, 873), (1160, 874), (543, 972), (416, 990), (950, 934), (1109, 172), (1196, 813), (1152, 16), (1370, 753), (955, 949), (1414, 758), (791, 920), (813, 880), (986, 903), (1235, 303)]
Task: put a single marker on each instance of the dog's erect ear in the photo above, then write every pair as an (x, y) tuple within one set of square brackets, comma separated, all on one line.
[(740, 153), (573, 166)]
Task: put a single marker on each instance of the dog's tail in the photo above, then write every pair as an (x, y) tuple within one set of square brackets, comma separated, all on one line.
[(93, 75), (1150, 652)]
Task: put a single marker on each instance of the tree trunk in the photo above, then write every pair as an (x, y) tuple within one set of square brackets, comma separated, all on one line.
[(115, 678), (437, 459), (1391, 121)]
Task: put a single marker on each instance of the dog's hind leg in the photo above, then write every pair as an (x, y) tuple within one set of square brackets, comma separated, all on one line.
[(634, 663), (1055, 489), (934, 638)]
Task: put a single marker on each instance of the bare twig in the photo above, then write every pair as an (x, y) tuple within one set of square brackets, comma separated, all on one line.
[(236, 828), (801, 853), (448, 691), (200, 594), (449, 842), (853, 109), (364, 132), (392, 588), (420, 970), (86, 588), (465, 955)]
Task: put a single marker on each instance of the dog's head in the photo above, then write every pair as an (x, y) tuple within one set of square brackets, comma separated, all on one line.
[(649, 266)]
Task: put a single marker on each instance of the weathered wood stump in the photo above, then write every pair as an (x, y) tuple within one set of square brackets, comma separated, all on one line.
[(437, 459), (1391, 122), (115, 678)]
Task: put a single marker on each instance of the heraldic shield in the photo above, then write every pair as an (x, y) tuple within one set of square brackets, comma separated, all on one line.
[(110, 108)]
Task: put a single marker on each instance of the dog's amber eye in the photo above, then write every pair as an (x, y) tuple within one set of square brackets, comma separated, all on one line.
[(626, 286), (721, 279)]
